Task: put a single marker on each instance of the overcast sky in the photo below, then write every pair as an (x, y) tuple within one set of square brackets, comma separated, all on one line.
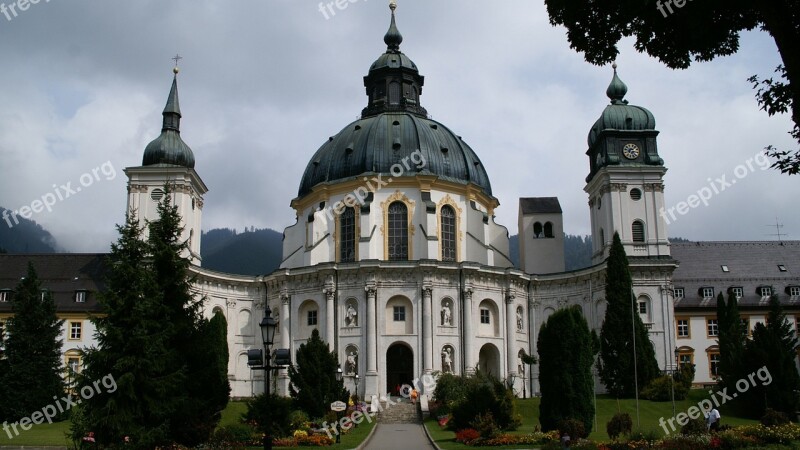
[(263, 84)]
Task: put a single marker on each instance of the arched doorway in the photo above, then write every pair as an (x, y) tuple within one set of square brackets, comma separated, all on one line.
[(489, 360), (399, 366)]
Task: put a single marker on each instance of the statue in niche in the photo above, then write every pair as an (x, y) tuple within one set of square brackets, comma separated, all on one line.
[(519, 319), (351, 365), (351, 316), (447, 314), (520, 365), (447, 360)]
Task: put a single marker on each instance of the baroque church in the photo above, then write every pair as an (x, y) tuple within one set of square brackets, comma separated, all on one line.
[(396, 258)]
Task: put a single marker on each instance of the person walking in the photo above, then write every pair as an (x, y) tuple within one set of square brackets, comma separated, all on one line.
[(712, 419), (414, 395)]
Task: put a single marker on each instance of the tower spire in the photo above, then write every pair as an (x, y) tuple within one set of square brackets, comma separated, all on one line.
[(172, 110), (393, 38), (616, 89)]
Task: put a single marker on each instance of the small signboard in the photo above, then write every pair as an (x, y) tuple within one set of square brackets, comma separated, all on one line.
[(338, 406)]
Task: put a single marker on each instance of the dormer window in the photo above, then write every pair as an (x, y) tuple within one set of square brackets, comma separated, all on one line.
[(794, 291), (737, 291), (679, 293), (707, 292), (764, 291), (80, 296), (5, 295), (43, 294)]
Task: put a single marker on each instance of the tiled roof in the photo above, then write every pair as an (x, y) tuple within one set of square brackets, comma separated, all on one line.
[(63, 274), (540, 205), (750, 265)]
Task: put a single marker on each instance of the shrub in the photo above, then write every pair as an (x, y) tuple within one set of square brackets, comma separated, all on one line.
[(484, 394), (574, 428), (773, 418), (485, 425), (315, 440), (661, 389), (449, 390), (621, 423), (273, 409), (694, 427), (233, 436), (467, 436), (298, 420), (649, 435)]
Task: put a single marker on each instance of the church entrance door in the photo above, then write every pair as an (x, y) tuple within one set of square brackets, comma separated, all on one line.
[(399, 367)]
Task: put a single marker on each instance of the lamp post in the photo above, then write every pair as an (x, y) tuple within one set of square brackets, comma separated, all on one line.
[(338, 379), (672, 384), (358, 400), (268, 326)]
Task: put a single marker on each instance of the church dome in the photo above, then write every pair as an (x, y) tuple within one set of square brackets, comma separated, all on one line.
[(168, 148), (619, 115), (394, 135)]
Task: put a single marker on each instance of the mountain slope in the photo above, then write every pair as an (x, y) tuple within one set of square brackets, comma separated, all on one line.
[(20, 235)]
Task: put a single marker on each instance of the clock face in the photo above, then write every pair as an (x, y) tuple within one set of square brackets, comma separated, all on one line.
[(631, 151)]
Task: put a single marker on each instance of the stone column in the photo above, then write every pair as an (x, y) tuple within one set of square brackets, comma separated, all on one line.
[(371, 329), (330, 315), (469, 333), (427, 328), (285, 325), (511, 334)]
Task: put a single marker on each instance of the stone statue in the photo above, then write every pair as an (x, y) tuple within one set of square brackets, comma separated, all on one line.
[(520, 366), (351, 316), (351, 365), (447, 315), (447, 360), (519, 319)]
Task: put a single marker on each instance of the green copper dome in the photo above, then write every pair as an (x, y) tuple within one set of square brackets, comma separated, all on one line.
[(619, 115), (394, 128), (169, 148)]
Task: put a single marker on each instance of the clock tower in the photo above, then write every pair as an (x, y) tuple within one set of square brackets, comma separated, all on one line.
[(626, 179)]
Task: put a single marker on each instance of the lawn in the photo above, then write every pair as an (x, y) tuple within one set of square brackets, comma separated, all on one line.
[(649, 415), (55, 434)]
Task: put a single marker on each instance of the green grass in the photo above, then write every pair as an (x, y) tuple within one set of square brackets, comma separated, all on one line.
[(649, 415), (40, 435)]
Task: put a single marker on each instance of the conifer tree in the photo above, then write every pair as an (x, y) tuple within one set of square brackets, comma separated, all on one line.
[(772, 352), (732, 337), (134, 347), (313, 378), (620, 326), (566, 355), (32, 350)]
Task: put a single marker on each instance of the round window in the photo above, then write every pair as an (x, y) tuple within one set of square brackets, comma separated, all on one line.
[(636, 194)]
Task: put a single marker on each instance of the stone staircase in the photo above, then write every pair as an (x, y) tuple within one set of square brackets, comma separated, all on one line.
[(403, 412)]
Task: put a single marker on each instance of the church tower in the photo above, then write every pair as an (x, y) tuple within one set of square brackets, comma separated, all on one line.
[(626, 179), (169, 161)]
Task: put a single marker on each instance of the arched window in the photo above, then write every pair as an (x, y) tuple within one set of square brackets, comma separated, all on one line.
[(448, 233), (638, 231), (394, 93), (347, 241), (537, 230), (398, 232), (548, 230)]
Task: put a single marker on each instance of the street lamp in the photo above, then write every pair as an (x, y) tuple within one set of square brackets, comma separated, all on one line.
[(672, 384), (338, 379), (358, 400), (268, 326)]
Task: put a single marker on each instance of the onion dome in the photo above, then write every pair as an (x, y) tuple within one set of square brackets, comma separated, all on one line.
[(169, 148)]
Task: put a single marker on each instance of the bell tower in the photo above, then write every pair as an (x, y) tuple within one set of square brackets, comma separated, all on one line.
[(169, 161), (626, 179)]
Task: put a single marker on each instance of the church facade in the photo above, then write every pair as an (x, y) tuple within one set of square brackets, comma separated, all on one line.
[(396, 258)]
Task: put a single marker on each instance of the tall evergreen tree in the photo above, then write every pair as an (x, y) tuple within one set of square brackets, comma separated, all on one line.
[(32, 350), (566, 355), (313, 378), (620, 326), (732, 337), (134, 346), (773, 347)]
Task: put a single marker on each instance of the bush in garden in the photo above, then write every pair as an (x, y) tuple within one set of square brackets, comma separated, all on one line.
[(773, 418), (233, 436), (485, 425), (621, 423), (449, 390), (694, 427), (298, 420), (662, 388), (484, 394), (574, 428), (272, 409)]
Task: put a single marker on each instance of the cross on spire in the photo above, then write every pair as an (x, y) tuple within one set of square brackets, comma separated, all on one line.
[(177, 58)]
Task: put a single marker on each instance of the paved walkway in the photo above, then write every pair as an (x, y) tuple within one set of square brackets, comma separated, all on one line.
[(398, 436)]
